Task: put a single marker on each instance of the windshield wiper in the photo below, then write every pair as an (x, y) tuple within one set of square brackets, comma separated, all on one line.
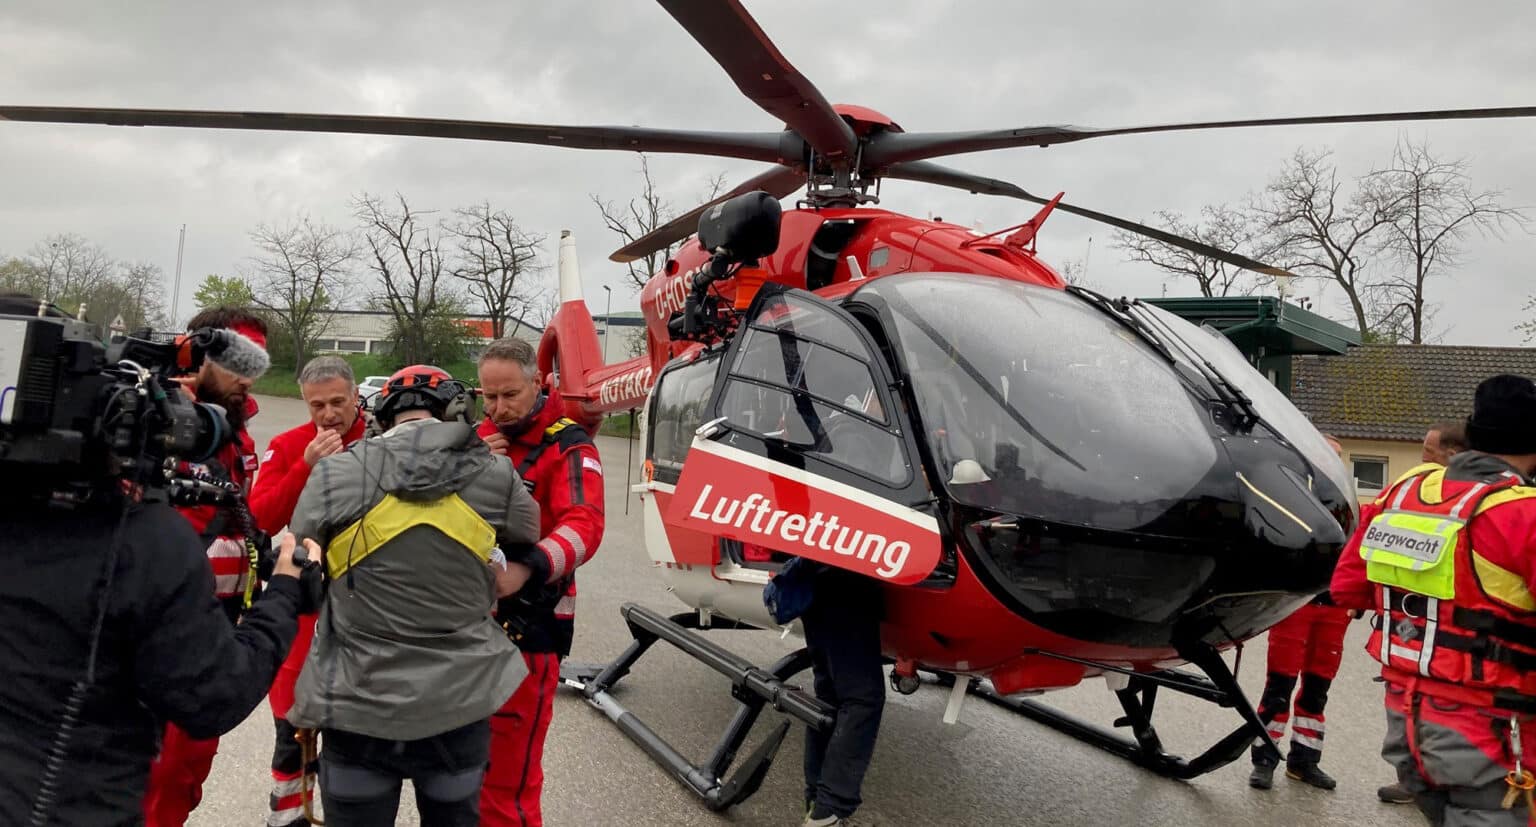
[(1117, 309), (1227, 391), (1132, 313)]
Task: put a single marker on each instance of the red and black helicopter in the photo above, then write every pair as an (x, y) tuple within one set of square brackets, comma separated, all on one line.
[(1054, 485)]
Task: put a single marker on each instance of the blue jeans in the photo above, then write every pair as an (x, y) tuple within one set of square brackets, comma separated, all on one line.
[(360, 777)]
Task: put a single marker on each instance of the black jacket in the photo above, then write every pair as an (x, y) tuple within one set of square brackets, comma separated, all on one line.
[(167, 652)]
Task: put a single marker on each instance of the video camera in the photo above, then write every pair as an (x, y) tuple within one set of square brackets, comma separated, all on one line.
[(75, 413), (734, 232)]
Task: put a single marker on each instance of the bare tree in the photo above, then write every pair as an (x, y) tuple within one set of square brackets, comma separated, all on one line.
[(406, 253), (67, 268), (498, 263), (1319, 233), (636, 343), (1236, 230), (20, 275), (545, 307), (1527, 328), (302, 265), (639, 216), (1435, 211), (144, 286)]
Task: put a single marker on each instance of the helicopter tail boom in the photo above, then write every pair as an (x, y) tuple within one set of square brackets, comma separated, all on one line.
[(569, 349)]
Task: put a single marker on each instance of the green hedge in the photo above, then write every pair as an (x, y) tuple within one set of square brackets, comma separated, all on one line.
[(279, 381)]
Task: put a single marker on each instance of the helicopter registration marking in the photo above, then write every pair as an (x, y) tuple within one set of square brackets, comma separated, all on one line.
[(631, 385), (673, 295), (729, 492)]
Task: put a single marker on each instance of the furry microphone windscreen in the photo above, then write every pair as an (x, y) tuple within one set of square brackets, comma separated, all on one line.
[(242, 357)]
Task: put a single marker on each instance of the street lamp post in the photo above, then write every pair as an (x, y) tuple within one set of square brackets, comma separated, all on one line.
[(607, 322)]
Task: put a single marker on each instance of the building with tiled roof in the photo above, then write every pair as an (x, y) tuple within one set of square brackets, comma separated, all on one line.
[(1379, 400)]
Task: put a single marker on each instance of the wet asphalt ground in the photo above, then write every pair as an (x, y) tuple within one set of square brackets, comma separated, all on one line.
[(992, 767)]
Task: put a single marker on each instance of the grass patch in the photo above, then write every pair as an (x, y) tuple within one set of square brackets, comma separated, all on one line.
[(280, 379), (624, 426)]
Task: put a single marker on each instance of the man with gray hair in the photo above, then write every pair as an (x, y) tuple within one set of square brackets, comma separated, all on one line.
[(330, 391)]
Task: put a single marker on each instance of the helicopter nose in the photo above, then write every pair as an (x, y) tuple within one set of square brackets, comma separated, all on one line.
[(1296, 518)]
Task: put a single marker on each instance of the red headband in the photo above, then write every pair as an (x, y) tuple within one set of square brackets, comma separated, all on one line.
[(251, 332)]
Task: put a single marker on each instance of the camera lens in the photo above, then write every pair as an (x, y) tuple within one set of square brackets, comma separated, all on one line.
[(197, 431)]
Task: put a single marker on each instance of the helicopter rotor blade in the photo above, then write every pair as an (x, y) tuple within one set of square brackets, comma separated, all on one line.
[(762, 73), (894, 148), (931, 173), (778, 182), (752, 146)]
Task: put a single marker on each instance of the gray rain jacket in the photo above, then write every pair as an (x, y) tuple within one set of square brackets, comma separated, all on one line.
[(405, 647)]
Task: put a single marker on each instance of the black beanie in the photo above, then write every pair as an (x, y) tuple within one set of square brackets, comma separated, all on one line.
[(1503, 417)]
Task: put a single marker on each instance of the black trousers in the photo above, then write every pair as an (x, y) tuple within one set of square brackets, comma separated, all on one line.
[(842, 631), (360, 777)]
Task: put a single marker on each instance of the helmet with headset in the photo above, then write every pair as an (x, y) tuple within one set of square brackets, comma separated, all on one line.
[(424, 388)]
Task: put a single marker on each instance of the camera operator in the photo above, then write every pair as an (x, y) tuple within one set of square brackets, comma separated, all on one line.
[(177, 776), (112, 630)]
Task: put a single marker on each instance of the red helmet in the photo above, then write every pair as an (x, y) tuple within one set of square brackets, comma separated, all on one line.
[(423, 388)]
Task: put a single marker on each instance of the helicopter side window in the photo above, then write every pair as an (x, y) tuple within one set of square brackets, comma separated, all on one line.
[(802, 378), (678, 408)]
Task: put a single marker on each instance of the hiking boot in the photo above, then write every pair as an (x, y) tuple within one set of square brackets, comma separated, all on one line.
[(1394, 794), (1262, 777), (827, 821), (1310, 773)]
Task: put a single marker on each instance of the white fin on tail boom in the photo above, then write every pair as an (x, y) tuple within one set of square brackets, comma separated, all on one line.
[(570, 272)]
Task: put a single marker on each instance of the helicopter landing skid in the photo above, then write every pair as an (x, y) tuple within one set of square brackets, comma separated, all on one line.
[(1138, 699), (753, 689)]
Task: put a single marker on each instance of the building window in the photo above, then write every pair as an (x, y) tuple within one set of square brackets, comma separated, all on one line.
[(1370, 474), (352, 345)]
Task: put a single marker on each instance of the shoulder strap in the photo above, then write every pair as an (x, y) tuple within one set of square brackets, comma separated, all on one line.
[(565, 432), (1415, 474)]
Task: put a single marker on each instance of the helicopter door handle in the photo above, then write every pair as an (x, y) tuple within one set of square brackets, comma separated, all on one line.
[(710, 428)]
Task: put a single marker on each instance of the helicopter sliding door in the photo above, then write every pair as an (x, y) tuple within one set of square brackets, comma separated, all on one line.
[(805, 450)]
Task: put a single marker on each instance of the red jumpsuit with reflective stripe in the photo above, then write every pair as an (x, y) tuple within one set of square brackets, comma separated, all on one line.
[(567, 479), (1449, 738), (1309, 644), (176, 777), (273, 497)]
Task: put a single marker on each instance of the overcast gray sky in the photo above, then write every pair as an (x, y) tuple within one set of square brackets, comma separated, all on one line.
[(929, 65)]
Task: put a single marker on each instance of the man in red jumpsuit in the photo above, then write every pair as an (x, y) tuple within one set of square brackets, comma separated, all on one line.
[(177, 775), (330, 392), (554, 455), (1309, 644), (1446, 557)]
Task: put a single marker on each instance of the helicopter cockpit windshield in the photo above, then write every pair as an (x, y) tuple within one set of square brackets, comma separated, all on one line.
[(1035, 403)]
